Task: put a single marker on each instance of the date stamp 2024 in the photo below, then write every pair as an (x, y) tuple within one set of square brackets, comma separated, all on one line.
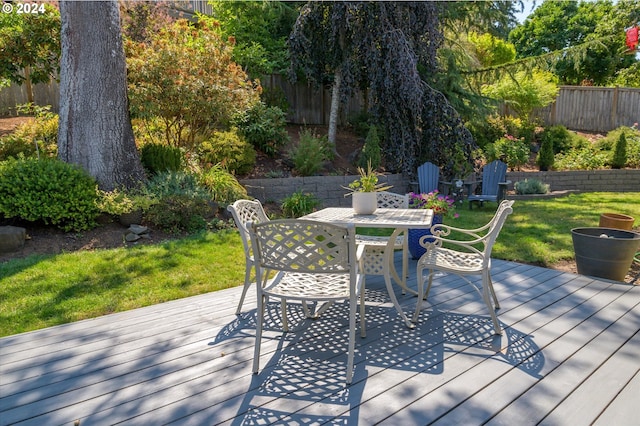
[(20, 8)]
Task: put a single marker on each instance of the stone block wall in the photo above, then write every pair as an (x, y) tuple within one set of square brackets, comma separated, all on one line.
[(330, 189), (623, 180)]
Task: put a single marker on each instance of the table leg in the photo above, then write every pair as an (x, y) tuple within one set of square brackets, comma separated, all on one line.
[(388, 271), (402, 282)]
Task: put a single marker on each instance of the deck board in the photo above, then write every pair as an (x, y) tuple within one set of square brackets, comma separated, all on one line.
[(569, 351)]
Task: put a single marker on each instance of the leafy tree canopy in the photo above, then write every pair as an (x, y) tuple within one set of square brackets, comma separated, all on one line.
[(490, 50), (596, 28), (524, 91), (260, 29), (185, 76), (31, 41)]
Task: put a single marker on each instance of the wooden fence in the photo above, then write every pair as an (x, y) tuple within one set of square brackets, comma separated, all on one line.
[(593, 109), (588, 109)]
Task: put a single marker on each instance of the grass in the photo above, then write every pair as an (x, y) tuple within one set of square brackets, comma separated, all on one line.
[(42, 291), (539, 230)]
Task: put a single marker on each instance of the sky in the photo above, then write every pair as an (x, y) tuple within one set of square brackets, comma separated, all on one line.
[(528, 4)]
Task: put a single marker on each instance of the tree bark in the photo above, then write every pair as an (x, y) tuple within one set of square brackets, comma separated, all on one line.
[(94, 123), (335, 109)]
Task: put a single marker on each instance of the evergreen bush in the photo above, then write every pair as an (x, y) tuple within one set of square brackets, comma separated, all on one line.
[(619, 159), (48, 190), (546, 156), (371, 152), (157, 158)]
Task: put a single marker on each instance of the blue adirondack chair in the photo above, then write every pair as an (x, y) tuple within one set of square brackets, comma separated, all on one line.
[(494, 184), (429, 179)]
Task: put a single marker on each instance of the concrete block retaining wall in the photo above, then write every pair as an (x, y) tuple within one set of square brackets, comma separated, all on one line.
[(329, 188), (624, 180)]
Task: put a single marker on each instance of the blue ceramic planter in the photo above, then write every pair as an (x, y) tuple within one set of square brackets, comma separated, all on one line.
[(415, 248)]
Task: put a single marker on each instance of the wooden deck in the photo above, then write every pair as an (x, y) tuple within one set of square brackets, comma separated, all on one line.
[(569, 355)]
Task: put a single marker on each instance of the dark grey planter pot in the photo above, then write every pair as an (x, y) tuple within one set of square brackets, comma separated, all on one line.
[(604, 257)]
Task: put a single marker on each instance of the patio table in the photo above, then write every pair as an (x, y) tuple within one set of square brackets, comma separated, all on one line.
[(400, 220)]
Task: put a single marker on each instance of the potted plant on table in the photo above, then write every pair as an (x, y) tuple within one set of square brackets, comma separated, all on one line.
[(363, 191), (442, 205)]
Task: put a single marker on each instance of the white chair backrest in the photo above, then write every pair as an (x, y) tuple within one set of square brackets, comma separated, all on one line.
[(495, 226), (243, 212), (305, 246), (391, 200)]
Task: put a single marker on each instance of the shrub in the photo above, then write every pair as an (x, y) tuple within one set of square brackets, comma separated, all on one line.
[(545, 157), (230, 150), (33, 138), (531, 186), (165, 184), (360, 122), (182, 202), (563, 140), (223, 187), (488, 131), (118, 202), (299, 204), (609, 141), (310, 154), (50, 190), (160, 158), (633, 151), (587, 158), (185, 76), (179, 212), (264, 127), (619, 158), (371, 152), (513, 151)]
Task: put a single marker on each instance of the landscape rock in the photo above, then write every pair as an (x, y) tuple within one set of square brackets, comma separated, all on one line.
[(131, 237), (12, 238), (138, 229)]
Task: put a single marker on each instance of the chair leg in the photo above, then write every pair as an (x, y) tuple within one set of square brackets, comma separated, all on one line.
[(259, 325), (426, 293), (247, 284), (493, 292), (487, 300), (352, 340)]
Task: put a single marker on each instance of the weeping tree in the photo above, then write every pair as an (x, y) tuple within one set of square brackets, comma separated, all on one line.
[(384, 48)]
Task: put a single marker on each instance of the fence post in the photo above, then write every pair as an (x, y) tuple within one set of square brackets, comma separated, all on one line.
[(614, 108)]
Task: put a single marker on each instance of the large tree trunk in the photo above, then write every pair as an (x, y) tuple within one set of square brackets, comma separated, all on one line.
[(95, 128)]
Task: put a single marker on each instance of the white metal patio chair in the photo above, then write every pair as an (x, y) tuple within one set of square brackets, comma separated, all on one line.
[(375, 245), (312, 261), (474, 260), (245, 211)]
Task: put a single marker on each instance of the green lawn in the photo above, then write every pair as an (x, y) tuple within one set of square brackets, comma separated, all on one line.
[(41, 291)]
